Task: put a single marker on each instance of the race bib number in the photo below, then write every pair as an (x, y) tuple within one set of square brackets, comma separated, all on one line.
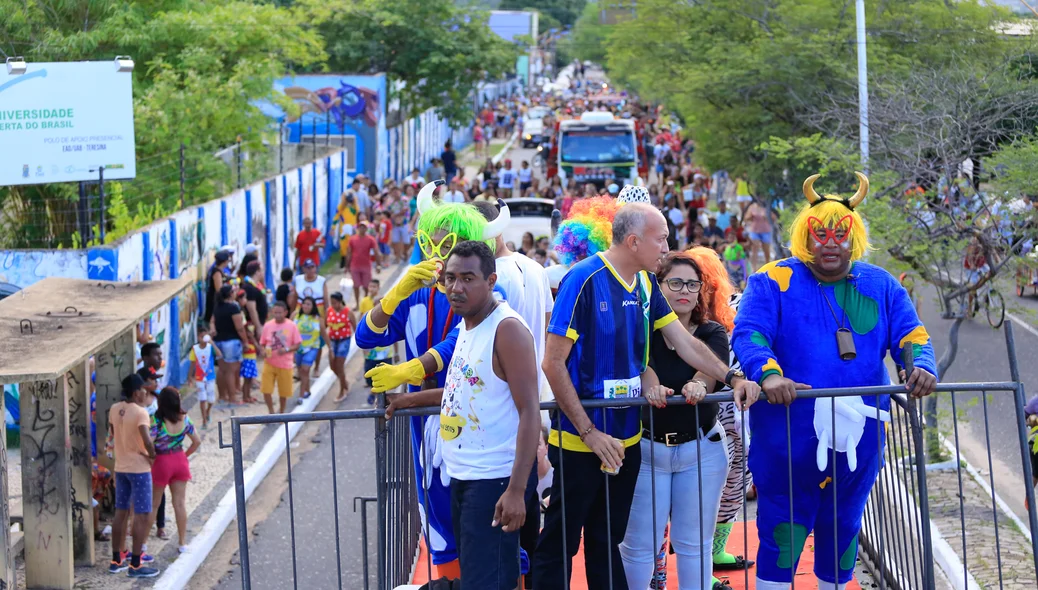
[(622, 388)]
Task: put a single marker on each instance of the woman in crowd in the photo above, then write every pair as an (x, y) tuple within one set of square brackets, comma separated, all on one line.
[(528, 245), (311, 330), (169, 427), (228, 328), (686, 450)]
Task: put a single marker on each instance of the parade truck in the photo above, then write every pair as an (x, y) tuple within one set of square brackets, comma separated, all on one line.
[(597, 148)]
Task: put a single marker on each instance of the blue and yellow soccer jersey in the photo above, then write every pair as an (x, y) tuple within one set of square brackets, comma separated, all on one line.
[(609, 322)]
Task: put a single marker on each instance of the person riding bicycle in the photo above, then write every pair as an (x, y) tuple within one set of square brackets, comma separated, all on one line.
[(976, 266)]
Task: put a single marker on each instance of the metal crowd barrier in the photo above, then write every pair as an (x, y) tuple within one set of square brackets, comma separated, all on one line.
[(897, 539)]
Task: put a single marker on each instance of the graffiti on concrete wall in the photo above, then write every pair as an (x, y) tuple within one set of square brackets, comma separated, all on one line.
[(237, 223), (24, 267), (258, 194), (160, 249), (131, 258)]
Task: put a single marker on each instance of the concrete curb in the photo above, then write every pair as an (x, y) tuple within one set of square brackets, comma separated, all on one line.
[(504, 150), (180, 572)]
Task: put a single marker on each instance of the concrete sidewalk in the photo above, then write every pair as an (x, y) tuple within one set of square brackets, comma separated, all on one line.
[(211, 469)]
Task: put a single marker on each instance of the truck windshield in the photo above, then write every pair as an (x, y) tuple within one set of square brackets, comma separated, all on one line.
[(597, 147)]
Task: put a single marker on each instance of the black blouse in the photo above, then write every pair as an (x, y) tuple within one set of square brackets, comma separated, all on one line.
[(674, 373)]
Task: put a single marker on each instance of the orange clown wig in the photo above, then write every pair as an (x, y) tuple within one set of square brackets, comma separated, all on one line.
[(829, 215), (717, 290)]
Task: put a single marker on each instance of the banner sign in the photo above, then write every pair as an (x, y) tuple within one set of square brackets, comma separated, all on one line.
[(60, 122)]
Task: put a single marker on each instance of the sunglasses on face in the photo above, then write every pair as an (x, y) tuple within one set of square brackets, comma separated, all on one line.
[(823, 234), (691, 285), (433, 250)]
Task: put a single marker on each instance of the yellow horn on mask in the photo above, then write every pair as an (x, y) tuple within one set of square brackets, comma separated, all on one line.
[(809, 189), (863, 189)]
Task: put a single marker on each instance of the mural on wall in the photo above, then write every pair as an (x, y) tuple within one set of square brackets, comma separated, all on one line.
[(237, 231), (22, 268), (308, 191), (321, 194), (158, 327), (187, 311), (102, 264), (131, 257), (258, 194), (190, 241), (354, 105), (276, 225), (292, 196), (160, 247), (211, 219)]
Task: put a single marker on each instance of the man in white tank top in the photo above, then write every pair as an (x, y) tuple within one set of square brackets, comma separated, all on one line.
[(489, 423)]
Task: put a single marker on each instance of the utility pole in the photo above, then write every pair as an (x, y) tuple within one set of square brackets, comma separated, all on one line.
[(84, 214), (863, 84)]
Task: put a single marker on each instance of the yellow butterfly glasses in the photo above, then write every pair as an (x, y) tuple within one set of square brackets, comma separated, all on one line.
[(431, 250)]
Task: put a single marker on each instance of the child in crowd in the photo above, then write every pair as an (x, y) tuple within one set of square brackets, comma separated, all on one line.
[(735, 262), (381, 354), (203, 372), (249, 370), (340, 323), (280, 340), (383, 229), (311, 330)]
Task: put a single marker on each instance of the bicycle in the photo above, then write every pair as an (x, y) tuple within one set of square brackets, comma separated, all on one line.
[(994, 305)]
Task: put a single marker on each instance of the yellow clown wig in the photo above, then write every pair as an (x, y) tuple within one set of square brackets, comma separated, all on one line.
[(829, 211)]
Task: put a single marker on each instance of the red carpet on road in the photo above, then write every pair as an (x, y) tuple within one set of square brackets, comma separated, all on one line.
[(805, 576)]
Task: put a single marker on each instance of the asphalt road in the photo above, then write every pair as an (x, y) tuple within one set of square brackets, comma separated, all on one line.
[(982, 356), (312, 506)]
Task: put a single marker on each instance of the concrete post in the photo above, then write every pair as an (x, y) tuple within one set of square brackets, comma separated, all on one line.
[(78, 379), (112, 364), (6, 556), (46, 489)]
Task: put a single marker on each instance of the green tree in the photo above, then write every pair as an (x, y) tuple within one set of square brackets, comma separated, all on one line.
[(200, 68), (434, 53), (563, 11), (587, 40)]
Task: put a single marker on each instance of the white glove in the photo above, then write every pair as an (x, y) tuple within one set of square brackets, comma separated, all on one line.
[(851, 413)]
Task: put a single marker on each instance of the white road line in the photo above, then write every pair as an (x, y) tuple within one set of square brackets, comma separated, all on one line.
[(1022, 323)]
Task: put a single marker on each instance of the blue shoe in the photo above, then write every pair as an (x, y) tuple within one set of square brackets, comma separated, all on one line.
[(115, 567), (145, 558), (144, 571)]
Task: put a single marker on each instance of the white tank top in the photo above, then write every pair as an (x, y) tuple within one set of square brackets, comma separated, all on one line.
[(478, 418), (305, 288)]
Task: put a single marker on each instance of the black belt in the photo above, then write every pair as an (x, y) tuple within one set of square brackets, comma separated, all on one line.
[(673, 439)]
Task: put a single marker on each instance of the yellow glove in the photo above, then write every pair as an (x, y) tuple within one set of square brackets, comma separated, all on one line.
[(385, 377), (418, 276)]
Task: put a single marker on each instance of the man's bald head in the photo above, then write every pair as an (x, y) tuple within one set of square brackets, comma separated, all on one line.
[(632, 219)]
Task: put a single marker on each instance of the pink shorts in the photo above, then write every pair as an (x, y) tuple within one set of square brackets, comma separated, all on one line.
[(361, 277), (169, 468)]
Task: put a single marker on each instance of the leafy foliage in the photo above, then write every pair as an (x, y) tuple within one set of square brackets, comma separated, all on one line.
[(434, 53), (563, 11), (201, 66)]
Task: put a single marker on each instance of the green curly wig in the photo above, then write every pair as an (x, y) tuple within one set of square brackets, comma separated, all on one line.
[(464, 220)]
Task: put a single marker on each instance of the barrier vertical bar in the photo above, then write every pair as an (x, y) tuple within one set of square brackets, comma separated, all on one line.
[(240, 506), (1021, 426), (924, 500)]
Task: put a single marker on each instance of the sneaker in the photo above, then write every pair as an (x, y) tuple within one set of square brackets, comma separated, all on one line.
[(145, 557), (144, 571), (371, 400), (115, 567), (182, 549)]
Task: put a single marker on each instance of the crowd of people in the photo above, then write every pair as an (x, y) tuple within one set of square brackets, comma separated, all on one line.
[(631, 318)]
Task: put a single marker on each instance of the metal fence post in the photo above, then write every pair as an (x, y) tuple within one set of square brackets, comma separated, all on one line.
[(915, 423), (101, 187), (380, 500), (84, 215), (239, 501), (182, 178), (281, 147), (237, 158), (1021, 426)]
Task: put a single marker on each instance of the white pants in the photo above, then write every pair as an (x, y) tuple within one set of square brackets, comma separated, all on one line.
[(678, 471)]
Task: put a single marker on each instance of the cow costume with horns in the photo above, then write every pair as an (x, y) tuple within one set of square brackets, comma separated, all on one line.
[(794, 324), (420, 315)]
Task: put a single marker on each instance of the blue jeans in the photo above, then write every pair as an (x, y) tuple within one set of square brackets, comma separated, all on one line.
[(678, 470), (231, 350), (488, 556)]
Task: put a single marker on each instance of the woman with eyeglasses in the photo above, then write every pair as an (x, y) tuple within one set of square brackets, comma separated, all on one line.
[(685, 449)]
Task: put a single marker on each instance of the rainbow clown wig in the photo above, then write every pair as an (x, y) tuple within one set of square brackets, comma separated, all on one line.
[(461, 221), (588, 229), (829, 215)]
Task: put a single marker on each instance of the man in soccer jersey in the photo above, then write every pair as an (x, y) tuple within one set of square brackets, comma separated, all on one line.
[(597, 348)]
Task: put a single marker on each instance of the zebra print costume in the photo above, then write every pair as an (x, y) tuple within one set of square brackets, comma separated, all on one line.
[(734, 494)]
